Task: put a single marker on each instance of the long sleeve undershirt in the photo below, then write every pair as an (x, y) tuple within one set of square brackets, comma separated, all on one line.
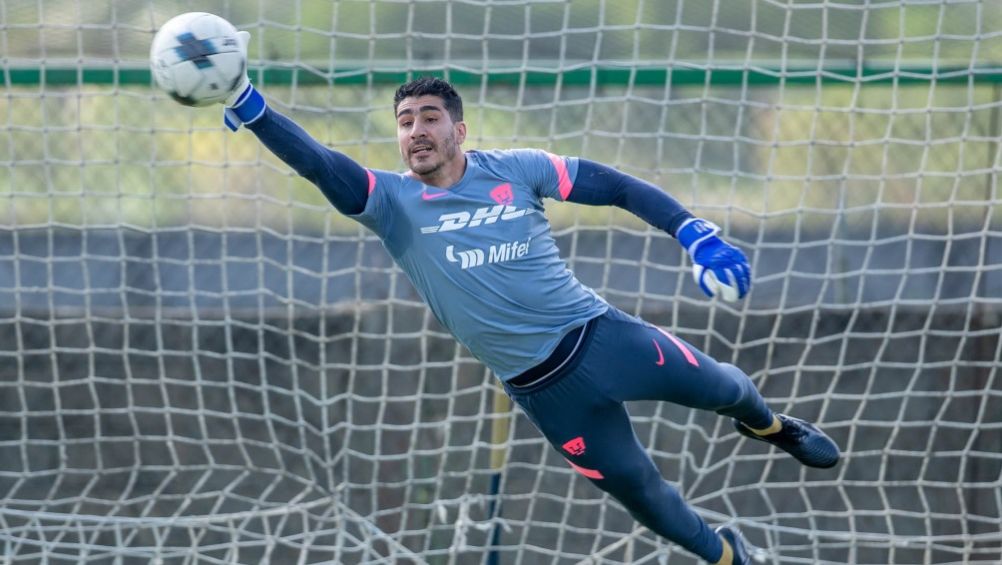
[(600, 185), (344, 182)]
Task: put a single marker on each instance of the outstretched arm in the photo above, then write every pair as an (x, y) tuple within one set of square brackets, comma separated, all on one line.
[(344, 182), (718, 267), (600, 185)]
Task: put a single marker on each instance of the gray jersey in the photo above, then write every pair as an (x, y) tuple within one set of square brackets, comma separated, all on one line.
[(481, 254)]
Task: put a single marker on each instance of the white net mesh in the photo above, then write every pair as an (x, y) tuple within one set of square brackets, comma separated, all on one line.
[(204, 363)]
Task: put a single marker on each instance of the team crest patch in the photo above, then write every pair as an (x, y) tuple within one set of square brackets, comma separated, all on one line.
[(575, 446), (502, 194)]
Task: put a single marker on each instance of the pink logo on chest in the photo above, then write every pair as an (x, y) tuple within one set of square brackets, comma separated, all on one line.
[(502, 194), (432, 195)]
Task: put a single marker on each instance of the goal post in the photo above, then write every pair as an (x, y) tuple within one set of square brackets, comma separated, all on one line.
[(203, 362)]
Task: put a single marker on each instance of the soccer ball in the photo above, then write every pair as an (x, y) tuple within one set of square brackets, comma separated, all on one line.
[(197, 58)]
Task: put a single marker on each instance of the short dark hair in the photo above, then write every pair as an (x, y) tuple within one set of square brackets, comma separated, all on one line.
[(432, 86)]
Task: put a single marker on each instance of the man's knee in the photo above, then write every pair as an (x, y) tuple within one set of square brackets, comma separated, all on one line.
[(632, 482), (660, 506), (734, 388)]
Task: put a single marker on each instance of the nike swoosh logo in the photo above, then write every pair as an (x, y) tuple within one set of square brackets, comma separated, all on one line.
[(432, 195), (661, 356)]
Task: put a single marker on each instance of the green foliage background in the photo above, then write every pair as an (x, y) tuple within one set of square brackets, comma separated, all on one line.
[(915, 147)]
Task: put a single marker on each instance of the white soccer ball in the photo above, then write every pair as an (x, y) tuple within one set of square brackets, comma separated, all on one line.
[(197, 58)]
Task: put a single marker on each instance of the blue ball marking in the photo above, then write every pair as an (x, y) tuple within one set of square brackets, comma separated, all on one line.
[(195, 50)]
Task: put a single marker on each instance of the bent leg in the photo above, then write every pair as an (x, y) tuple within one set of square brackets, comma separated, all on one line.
[(594, 434), (634, 360)]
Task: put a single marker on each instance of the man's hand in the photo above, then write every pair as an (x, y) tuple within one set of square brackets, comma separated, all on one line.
[(244, 104), (720, 269)]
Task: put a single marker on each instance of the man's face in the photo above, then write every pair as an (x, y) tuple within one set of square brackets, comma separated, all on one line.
[(428, 137)]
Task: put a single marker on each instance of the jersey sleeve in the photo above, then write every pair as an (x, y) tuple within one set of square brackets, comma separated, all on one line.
[(549, 175), (377, 214)]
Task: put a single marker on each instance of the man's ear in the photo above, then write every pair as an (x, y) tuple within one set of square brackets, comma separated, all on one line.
[(460, 132)]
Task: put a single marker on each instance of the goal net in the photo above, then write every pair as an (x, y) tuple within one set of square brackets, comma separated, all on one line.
[(202, 362)]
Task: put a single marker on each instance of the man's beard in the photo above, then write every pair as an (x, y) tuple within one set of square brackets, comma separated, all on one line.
[(429, 167)]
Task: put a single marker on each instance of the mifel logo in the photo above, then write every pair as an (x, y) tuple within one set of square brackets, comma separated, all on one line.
[(496, 254)]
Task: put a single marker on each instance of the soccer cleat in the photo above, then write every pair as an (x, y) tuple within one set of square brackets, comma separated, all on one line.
[(739, 545), (801, 439)]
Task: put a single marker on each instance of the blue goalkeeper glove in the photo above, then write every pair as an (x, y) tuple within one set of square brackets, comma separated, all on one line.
[(719, 268), (245, 104)]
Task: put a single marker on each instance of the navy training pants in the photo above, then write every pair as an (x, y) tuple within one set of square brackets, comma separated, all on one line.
[(580, 412)]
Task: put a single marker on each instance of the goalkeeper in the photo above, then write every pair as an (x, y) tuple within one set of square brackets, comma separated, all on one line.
[(468, 230)]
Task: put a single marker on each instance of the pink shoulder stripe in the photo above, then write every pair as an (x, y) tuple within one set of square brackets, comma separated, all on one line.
[(563, 179), (372, 180)]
